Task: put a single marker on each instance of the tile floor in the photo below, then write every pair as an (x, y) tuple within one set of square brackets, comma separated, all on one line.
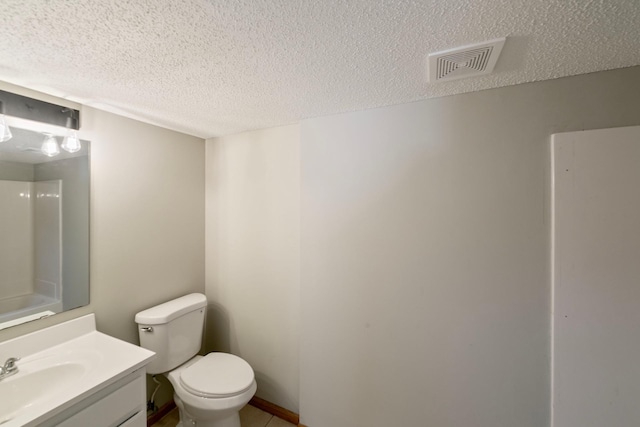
[(249, 417)]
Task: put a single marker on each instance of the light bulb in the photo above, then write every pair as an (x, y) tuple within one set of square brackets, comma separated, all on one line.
[(50, 146), (5, 132), (71, 142)]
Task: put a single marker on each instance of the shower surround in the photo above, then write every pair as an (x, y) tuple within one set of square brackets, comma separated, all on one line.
[(30, 249)]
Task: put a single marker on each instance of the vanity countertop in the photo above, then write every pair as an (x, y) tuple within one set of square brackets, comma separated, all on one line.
[(59, 367)]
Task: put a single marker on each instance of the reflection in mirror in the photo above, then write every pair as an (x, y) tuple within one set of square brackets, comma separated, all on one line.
[(44, 226)]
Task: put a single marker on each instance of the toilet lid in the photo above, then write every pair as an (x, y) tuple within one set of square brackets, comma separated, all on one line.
[(217, 375)]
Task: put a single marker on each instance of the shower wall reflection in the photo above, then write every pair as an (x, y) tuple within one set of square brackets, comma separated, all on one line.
[(30, 251), (44, 230)]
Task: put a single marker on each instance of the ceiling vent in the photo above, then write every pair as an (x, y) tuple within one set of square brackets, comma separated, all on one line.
[(466, 61)]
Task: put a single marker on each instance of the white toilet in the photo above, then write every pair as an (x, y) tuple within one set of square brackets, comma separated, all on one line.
[(209, 390)]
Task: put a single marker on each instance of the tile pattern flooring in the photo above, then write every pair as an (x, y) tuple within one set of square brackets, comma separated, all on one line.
[(249, 417)]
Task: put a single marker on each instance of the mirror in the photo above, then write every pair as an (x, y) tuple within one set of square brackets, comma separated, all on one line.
[(44, 226)]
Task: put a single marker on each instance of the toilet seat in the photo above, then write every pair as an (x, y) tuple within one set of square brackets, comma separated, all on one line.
[(217, 375)]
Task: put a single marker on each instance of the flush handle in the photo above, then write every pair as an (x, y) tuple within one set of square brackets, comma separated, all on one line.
[(147, 329)]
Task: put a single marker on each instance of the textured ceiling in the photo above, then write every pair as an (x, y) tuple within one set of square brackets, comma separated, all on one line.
[(211, 68)]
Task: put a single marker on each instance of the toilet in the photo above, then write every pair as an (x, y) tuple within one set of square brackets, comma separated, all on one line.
[(209, 390)]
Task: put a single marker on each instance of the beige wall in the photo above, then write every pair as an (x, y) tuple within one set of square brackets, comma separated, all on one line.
[(252, 256), (425, 254), (147, 218), (147, 221)]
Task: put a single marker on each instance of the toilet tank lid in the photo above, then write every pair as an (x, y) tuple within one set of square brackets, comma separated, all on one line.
[(170, 310)]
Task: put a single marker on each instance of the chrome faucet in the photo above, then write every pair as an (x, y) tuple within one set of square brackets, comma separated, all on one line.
[(9, 367)]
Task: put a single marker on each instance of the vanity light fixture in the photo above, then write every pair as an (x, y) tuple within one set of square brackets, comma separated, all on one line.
[(39, 111), (23, 107), (5, 132), (71, 142), (50, 146)]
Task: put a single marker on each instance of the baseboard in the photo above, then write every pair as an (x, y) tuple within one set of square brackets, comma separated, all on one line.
[(275, 410), (161, 412)]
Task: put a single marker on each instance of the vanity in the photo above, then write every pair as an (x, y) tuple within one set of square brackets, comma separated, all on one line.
[(71, 375)]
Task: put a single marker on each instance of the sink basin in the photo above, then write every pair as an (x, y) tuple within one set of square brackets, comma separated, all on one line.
[(20, 392), (41, 378)]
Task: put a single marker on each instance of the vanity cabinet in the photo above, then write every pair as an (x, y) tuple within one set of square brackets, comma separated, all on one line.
[(121, 404)]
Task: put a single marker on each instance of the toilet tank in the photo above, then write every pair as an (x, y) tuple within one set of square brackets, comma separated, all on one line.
[(173, 330)]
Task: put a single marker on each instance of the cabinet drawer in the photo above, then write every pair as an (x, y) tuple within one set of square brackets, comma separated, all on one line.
[(138, 420), (120, 408)]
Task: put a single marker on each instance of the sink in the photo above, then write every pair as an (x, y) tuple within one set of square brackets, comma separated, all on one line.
[(21, 392), (67, 368), (40, 378)]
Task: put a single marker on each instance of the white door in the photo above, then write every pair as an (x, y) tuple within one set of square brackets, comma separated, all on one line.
[(596, 278)]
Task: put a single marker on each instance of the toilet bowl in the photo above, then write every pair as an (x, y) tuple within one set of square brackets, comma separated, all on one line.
[(208, 390), (211, 390)]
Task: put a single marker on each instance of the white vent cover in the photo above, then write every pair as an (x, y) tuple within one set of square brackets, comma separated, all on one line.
[(466, 61)]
